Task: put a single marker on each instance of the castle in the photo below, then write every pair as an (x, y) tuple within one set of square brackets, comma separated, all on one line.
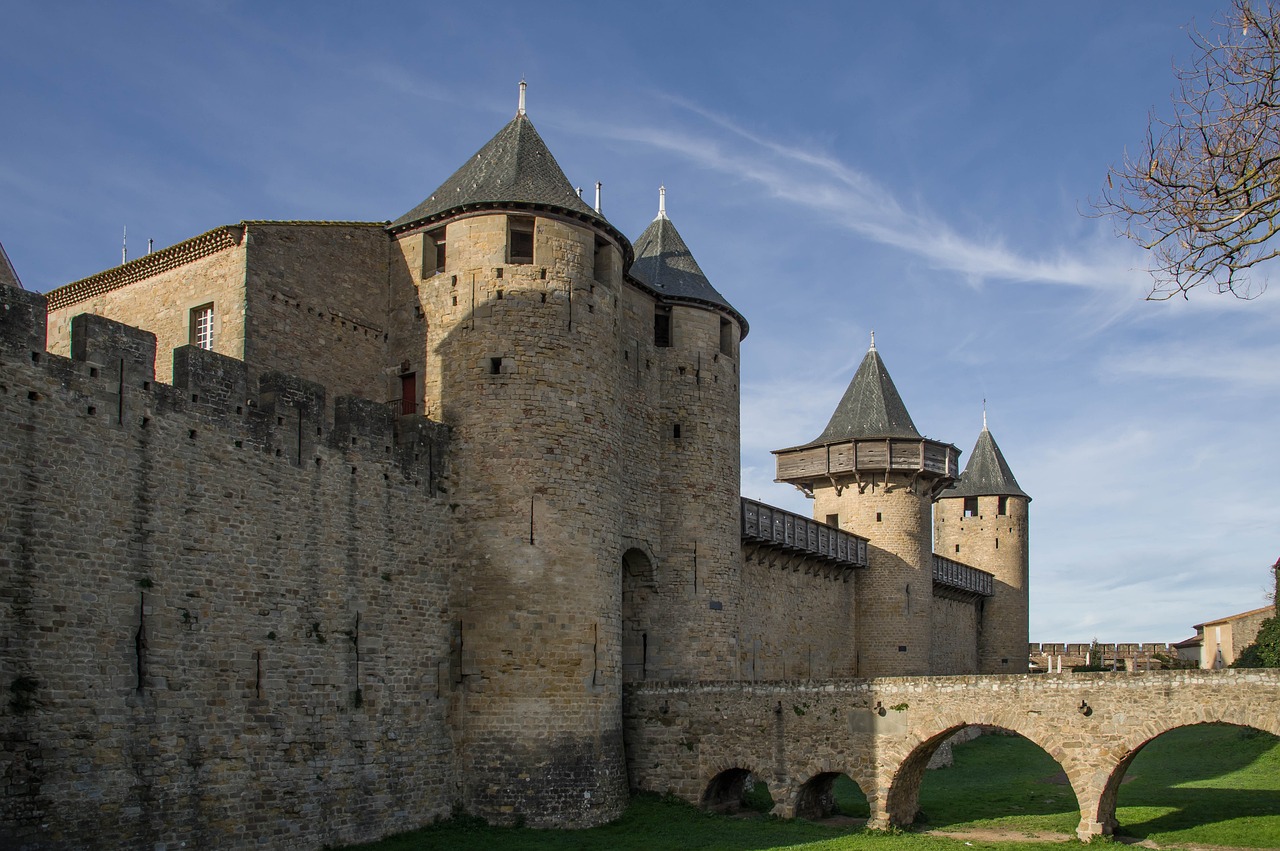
[(409, 508)]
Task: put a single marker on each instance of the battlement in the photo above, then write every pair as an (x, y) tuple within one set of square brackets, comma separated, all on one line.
[(111, 376)]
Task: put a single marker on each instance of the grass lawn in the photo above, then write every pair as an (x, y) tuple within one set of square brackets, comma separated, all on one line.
[(1210, 784), (1207, 784)]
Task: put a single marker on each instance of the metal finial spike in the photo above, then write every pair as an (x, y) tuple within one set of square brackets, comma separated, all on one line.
[(662, 202), (599, 186), (873, 341), (984, 414), (523, 86)]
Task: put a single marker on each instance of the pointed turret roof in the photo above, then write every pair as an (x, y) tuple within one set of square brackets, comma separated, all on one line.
[(987, 473), (665, 264), (513, 168), (871, 406), (8, 277)]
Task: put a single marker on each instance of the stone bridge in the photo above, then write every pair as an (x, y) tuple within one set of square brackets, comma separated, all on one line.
[(700, 741)]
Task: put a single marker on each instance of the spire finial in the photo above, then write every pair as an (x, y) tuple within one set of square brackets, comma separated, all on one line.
[(873, 342), (984, 414), (662, 202), (523, 86)]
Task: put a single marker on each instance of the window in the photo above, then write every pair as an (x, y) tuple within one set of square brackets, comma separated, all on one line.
[(662, 328), (433, 245), (1002, 505), (970, 506), (833, 520), (519, 240), (726, 337), (202, 326), (603, 256)]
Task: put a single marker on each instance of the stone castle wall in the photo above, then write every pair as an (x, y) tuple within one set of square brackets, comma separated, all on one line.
[(223, 623), (317, 304), (895, 594)]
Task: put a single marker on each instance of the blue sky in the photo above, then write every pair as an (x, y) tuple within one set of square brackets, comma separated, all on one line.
[(916, 169)]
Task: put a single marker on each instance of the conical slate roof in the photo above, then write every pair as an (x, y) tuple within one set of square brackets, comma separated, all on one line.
[(514, 167), (8, 277), (871, 407), (987, 473), (666, 265)]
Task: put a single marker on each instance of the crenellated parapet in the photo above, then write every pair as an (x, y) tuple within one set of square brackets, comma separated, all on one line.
[(111, 375)]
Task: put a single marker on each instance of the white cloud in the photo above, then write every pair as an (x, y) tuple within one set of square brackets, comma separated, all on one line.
[(861, 204)]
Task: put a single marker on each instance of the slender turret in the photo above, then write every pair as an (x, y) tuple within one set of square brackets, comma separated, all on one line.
[(982, 521), (870, 472), (696, 336)]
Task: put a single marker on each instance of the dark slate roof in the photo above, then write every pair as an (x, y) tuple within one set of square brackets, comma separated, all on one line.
[(987, 473), (666, 265), (8, 277), (871, 407), (514, 167)]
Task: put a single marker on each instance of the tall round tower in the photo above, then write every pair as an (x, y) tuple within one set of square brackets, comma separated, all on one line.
[(514, 346), (870, 472), (696, 335), (982, 522)]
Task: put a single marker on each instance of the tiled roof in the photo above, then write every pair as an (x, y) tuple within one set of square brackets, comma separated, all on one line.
[(987, 473), (666, 265), (8, 277), (871, 407), (513, 167)]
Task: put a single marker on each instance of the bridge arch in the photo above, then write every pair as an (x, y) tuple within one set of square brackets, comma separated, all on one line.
[(1105, 815), (816, 797), (729, 789), (906, 770)]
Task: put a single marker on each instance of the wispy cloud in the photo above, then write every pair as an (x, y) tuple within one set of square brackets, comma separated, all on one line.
[(822, 183)]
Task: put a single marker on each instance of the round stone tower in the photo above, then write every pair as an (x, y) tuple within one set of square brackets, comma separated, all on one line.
[(696, 338), (515, 336), (982, 522), (870, 472)]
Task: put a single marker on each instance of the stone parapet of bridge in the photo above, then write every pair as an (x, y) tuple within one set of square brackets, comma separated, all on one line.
[(797, 736)]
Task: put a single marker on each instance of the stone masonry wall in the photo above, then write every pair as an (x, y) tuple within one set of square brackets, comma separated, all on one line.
[(317, 304), (895, 593), (797, 620), (223, 625), (954, 646)]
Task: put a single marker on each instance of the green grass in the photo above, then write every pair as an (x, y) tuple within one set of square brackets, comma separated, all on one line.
[(663, 824), (1210, 784), (1207, 784), (999, 781)]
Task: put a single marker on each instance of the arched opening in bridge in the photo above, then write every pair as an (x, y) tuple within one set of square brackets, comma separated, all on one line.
[(638, 598), (831, 794), (988, 774), (1214, 784), (737, 789)]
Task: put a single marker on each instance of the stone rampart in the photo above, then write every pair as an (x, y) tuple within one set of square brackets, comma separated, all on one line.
[(223, 613)]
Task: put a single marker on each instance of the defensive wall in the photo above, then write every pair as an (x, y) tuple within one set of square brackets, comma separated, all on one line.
[(701, 740), (223, 611), (1131, 655)]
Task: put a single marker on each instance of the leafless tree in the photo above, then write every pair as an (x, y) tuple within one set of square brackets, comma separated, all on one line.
[(1203, 195)]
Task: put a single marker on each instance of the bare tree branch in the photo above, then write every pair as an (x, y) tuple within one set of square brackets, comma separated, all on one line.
[(1203, 193)]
